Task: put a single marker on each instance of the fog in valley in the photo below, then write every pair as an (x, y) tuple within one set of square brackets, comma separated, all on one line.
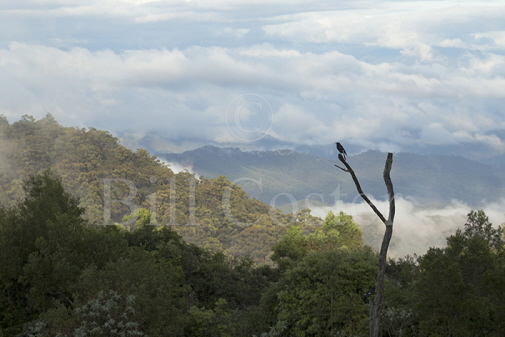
[(417, 227)]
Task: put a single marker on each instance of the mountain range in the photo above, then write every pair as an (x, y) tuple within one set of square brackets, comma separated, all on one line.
[(282, 176), (487, 148)]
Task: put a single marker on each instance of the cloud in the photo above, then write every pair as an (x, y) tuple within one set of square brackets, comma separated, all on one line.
[(400, 25), (417, 227), (497, 38), (435, 133), (291, 121), (176, 168), (358, 70)]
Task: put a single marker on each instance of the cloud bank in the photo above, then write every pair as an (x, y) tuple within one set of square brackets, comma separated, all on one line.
[(403, 72), (416, 227)]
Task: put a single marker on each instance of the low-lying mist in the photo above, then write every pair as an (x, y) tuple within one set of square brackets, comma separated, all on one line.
[(416, 227)]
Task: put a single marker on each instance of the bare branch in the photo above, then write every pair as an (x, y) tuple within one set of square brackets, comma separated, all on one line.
[(360, 191), (343, 169)]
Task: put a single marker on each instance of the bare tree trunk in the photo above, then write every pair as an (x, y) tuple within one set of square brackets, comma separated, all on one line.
[(379, 295), (375, 313)]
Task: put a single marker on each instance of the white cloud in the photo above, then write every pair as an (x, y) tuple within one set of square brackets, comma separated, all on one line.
[(416, 227), (435, 133), (292, 122), (452, 43), (371, 71), (176, 168)]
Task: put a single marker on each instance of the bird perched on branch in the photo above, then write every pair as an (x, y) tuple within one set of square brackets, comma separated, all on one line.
[(369, 292), (342, 153), (340, 148)]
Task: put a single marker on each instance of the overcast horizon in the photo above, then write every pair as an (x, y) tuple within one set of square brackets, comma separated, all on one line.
[(404, 72)]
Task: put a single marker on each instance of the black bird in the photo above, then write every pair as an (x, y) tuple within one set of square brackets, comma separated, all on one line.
[(340, 148), (369, 292)]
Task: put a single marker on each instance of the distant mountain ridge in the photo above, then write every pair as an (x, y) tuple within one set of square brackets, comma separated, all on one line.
[(488, 149), (281, 176)]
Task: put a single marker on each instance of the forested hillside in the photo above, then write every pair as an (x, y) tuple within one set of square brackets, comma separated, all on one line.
[(212, 213), (69, 271)]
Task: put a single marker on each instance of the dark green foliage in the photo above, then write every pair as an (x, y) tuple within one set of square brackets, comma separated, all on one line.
[(108, 314), (464, 297), (158, 287), (453, 291), (322, 294), (64, 276), (399, 318), (324, 274), (38, 241), (336, 232)]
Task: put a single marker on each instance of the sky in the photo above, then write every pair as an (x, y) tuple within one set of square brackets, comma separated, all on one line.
[(222, 71)]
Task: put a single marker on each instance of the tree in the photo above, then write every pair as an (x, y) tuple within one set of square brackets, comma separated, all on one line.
[(399, 317), (376, 303), (44, 246), (109, 314), (140, 217), (257, 240), (37, 239), (161, 295), (292, 247), (460, 290), (337, 231), (322, 294), (324, 273)]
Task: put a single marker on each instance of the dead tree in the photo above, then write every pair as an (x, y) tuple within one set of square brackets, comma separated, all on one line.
[(376, 303)]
